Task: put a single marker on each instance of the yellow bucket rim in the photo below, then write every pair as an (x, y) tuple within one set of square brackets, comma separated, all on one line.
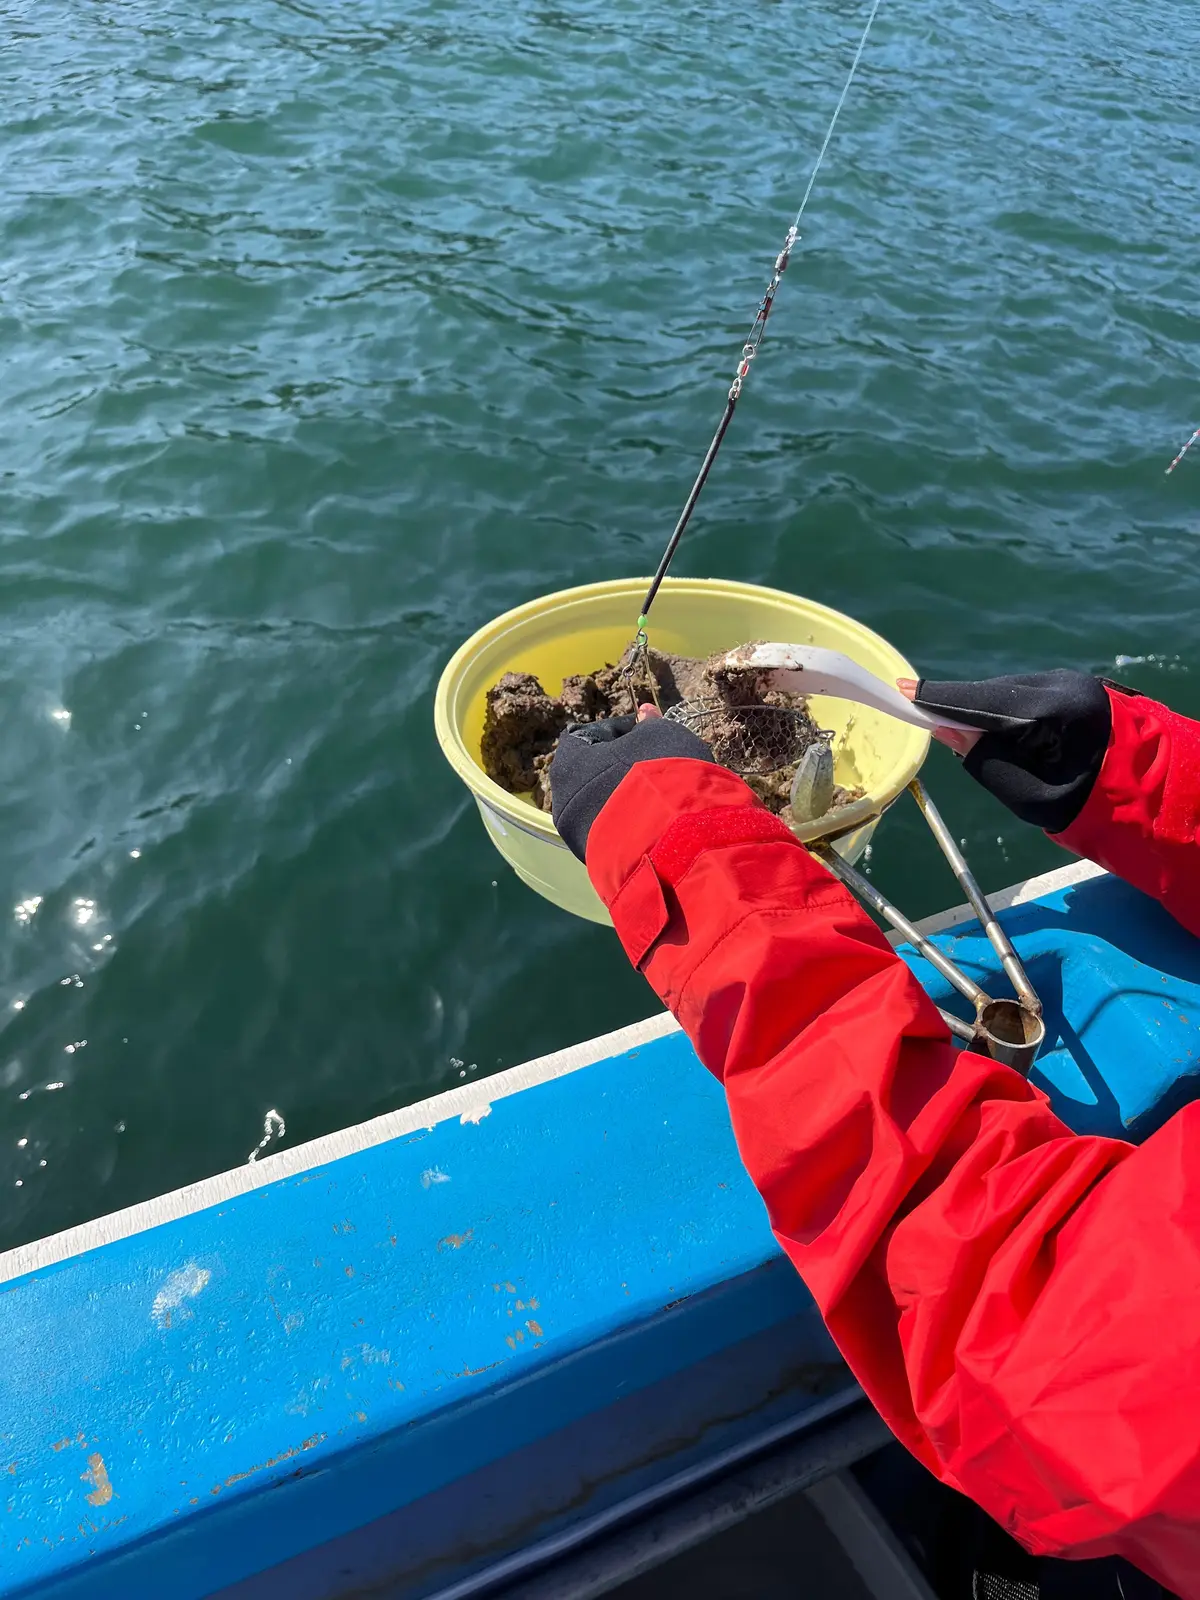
[(529, 819)]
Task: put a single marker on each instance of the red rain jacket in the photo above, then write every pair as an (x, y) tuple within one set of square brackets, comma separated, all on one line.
[(1021, 1303)]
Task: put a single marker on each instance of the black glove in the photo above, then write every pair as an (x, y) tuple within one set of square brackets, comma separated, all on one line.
[(593, 757), (1044, 742)]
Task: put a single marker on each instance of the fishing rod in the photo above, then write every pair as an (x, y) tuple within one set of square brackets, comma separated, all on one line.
[(749, 350), (1183, 452)]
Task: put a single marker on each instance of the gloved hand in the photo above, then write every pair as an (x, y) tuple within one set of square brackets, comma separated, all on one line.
[(1043, 741), (593, 757)]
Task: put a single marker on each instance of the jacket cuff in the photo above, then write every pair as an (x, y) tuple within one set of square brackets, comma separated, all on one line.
[(650, 797), (660, 820), (1130, 787)]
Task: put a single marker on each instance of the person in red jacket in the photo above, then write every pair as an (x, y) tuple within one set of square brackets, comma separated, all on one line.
[(1020, 1303)]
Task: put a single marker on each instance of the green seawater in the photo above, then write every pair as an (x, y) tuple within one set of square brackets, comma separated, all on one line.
[(330, 330)]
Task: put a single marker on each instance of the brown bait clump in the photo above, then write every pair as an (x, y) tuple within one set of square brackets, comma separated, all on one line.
[(759, 733), (520, 728)]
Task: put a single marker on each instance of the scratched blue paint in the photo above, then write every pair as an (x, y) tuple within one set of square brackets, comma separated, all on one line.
[(358, 1336), (234, 1348)]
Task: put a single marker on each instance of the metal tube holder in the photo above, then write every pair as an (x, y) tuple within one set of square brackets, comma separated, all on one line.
[(1011, 1031)]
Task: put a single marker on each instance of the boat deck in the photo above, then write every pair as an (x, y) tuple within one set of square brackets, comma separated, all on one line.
[(469, 1346)]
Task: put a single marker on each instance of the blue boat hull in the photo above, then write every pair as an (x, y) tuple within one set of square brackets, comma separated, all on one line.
[(459, 1343)]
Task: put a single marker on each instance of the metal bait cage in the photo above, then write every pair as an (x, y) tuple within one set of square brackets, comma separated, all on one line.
[(753, 741)]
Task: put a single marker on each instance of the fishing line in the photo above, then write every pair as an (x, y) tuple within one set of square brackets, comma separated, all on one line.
[(750, 348)]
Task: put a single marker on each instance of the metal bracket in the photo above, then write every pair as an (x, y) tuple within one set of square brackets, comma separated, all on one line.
[(1011, 1031)]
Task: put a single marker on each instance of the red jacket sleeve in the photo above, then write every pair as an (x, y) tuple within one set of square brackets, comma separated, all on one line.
[(1020, 1303), (1142, 818)]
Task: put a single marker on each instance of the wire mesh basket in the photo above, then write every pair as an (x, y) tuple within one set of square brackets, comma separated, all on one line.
[(751, 740)]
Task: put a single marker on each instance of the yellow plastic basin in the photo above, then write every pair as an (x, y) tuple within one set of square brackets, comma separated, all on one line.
[(578, 630)]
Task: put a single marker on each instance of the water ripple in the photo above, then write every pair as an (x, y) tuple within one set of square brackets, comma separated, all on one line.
[(331, 333)]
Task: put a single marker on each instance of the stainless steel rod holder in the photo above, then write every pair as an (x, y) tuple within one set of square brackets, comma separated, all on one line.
[(866, 890), (961, 1030), (997, 938), (1011, 1031)]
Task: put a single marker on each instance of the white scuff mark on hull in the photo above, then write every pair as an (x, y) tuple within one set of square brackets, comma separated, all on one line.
[(368, 1355), (183, 1285)]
